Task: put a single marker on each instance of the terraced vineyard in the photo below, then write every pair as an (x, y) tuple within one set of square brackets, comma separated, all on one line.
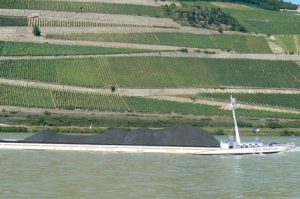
[(238, 43), (34, 49), (44, 98), (25, 96), (82, 7), (159, 71), (277, 100), (43, 22), (13, 21), (290, 43), (268, 22), (155, 72)]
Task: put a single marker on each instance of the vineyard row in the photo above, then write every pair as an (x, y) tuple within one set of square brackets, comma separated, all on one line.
[(37, 49), (155, 72), (42, 22), (50, 99), (238, 43)]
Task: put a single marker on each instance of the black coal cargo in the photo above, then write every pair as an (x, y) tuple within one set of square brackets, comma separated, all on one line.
[(178, 135)]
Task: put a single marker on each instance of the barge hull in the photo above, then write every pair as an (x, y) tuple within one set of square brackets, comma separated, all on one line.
[(106, 148)]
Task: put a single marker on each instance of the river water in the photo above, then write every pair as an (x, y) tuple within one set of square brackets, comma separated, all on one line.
[(54, 174)]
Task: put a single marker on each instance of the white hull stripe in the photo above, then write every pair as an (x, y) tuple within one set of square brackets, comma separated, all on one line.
[(142, 149)]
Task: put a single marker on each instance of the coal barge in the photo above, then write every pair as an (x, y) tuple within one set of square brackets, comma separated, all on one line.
[(177, 139)]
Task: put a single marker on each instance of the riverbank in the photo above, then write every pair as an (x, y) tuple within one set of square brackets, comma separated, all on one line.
[(216, 125)]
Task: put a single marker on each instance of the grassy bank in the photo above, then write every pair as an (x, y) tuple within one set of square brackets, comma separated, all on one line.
[(80, 124)]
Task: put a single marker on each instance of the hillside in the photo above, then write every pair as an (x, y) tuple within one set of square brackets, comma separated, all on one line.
[(275, 5), (148, 63)]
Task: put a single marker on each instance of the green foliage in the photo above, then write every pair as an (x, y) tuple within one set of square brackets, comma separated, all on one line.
[(274, 125), (289, 43), (265, 99), (155, 72), (47, 113), (265, 4), (13, 21), (184, 50), (218, 132), (289, 133), (44, 98), (258, 20), (37, 49), (264, 21), (36, 31), (82, 7), (25, 96), (202, 17), (110, 122), (238, 43), (13, 129)]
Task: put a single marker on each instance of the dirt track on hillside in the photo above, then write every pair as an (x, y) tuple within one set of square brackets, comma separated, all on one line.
[(97, 113), (137, 2), (105, 29), (108, 29), (89, 43), (217, 103), (148, 92), (219, 55)]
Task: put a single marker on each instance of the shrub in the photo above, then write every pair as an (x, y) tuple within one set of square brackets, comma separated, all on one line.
[(47, 113), (184, 50), (273, 125), (288, 133), (113, 89), (218, 132), (36, 31), (220, 30), (13, 129)]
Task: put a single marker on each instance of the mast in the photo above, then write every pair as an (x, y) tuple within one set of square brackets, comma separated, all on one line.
[(234, 106)]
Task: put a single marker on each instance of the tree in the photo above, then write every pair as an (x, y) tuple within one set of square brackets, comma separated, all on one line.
[(113, 89), (36, 31), (220, 29)]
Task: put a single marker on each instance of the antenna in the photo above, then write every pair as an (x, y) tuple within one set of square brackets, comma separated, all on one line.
[(234, 106)]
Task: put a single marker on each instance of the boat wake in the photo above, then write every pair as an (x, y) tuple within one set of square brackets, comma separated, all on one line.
[(297, 149)]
